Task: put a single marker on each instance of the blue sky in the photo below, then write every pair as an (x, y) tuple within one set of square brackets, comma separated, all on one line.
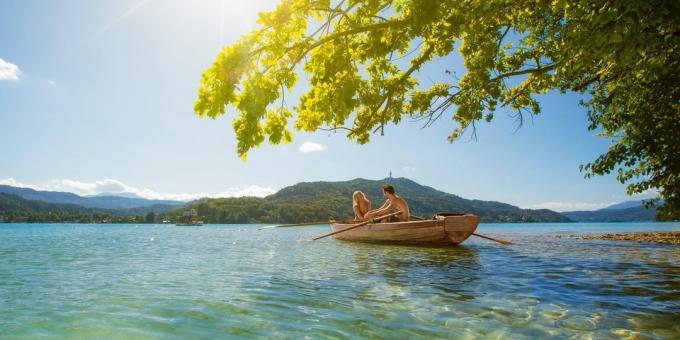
[(98, 96)]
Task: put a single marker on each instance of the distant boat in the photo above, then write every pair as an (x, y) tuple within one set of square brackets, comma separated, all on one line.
[(192, 223), (443, 229)]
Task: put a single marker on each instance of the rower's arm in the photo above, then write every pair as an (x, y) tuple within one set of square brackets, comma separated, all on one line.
[(384, 209)]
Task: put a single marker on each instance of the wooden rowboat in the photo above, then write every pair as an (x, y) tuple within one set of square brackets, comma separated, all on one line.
[(450, 229)]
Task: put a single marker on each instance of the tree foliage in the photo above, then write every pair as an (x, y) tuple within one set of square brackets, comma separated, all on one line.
[(361, 59)]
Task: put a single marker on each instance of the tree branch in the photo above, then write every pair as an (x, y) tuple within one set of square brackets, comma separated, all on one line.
[(525, 71), (388, 96)]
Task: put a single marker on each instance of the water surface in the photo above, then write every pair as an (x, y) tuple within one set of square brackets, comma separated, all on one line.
[(161, 281)]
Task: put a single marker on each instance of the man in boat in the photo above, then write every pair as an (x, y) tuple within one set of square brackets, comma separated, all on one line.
[(392, 204), (360, 204)]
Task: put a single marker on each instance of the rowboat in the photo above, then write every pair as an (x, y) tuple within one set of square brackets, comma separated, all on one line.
[(442, 229)]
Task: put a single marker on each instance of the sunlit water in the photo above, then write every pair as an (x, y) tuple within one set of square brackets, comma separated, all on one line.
[(217, 281)]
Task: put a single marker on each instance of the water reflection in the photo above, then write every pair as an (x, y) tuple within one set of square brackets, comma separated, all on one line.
[(450, 271)]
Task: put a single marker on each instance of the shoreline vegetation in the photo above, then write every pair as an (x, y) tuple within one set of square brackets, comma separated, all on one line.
[(664, 237), (299, 203), (302, 202)]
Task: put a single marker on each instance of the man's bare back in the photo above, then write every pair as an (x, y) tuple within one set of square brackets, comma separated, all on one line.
[(399, 204)]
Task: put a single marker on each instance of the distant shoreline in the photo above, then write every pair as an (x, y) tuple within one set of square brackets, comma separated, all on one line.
[(269, 222)]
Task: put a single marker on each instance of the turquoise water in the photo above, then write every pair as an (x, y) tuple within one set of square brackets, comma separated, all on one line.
[(221, 281)]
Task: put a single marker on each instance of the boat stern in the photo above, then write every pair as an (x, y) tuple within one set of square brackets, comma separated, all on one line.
[(459, 228)]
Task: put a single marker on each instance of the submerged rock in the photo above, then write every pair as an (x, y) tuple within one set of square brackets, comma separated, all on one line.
[(668, 237)]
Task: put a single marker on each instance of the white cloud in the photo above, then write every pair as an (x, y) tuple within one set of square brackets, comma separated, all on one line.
[(88, 188), (8, 71), (11, 182), (118, 187), (649, 193), (308, 147), (568, 206), (408, 169), (253, 190)]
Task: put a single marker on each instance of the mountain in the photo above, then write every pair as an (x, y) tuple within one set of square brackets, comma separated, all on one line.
[(628, 211), (18, 205), (631, 211), (630, 204), (18, 209), (624, 205), (14, 208), (319, 201), (103, 202)]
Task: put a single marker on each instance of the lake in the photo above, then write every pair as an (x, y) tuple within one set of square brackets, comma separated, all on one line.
[(217, 281)]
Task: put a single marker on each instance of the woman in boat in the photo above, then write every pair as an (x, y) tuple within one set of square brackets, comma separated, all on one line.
[(361, 205)]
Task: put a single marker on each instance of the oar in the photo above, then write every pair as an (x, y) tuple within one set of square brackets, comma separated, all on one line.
[(503, 242), (357, 225), (296, 224)]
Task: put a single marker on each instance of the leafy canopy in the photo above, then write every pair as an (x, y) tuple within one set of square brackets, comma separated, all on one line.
[(623, 56)]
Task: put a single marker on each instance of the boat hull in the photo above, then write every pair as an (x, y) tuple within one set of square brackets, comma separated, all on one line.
[(443, 230)]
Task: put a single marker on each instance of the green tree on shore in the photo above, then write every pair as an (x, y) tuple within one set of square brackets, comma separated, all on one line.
[(623, 57), (150, 217)]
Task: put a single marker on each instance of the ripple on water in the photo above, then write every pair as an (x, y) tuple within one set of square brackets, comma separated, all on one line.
[(216, 281)]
